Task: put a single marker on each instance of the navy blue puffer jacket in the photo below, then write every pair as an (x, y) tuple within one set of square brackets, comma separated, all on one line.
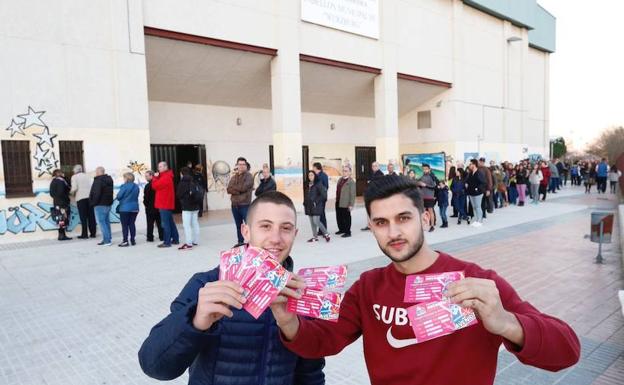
[(234, 351)]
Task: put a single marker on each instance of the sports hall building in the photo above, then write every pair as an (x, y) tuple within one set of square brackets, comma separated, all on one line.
[(126, 83)]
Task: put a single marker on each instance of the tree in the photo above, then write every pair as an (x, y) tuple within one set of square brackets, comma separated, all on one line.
[(610, 144), (558, 147)]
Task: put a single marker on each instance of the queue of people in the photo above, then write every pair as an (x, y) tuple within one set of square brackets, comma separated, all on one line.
[(471, 193)]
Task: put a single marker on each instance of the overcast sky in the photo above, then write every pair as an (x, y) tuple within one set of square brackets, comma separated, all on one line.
[(587, 69)]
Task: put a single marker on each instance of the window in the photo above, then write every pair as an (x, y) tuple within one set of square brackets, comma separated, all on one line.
[(424, 119), (70, 153), (17, 173)]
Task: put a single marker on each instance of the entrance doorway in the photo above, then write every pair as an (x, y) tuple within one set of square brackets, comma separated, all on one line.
[(178, 156), (364, 158)]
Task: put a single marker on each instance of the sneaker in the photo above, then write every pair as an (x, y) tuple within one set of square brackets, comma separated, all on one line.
[(162, 246), (185, 247), (82, 237), (105, 243), (195, 244), (365, 228), (339, 232), (123, 244), (431, 229), (133, 243), (175, 243), (150, 239), (312, 240), (327, 238), (346, 235), (477, 224)]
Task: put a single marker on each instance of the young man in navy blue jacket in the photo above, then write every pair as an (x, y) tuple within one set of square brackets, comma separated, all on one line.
[(208, 333)]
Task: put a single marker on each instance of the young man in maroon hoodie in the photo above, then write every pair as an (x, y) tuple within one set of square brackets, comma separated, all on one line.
[(374, 307)]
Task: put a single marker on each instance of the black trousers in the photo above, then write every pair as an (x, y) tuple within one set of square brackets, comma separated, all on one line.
[(153, 216), (323, 220), (343, 219), (87, 217)]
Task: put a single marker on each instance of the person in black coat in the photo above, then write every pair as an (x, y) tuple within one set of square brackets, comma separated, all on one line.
[(152, 215), (101, 198), (59, 191), (314, 205), (476, 186), (267, 182), (375, 174), (198, 177)]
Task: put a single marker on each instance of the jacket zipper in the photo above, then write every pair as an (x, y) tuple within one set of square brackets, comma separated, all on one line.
[(267, 329)]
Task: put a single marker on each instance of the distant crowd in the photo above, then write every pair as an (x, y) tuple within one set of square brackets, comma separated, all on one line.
[(470, 193)]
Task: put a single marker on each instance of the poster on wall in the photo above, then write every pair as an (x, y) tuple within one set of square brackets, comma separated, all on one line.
[(470, 155), (436, 160), (360, 17)]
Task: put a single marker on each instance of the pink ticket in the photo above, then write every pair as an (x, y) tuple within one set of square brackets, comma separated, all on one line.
[(436, 319), (324, 278), (264, 285), (429, 287), (317, 304)]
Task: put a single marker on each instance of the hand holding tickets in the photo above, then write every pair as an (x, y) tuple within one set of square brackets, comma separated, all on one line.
[(318, 299), (435, 315), (259, 274)]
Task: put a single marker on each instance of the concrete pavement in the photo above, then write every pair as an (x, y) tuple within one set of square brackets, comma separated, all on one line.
[(77, 313)]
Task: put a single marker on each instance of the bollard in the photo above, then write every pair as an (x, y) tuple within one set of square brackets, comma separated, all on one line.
[(601, 229)]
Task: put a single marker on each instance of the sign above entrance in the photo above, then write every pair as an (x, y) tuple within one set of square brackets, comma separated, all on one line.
[(356, 16)]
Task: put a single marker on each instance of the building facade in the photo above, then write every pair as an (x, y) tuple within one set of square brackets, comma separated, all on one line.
[(126, 83)]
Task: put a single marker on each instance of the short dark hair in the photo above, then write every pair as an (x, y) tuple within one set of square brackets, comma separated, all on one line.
[(426, 165), (57, 172), (482, 160), (390, 185), (317, 165), (185, 171), (475, 162), (275, 197), (241, 158)]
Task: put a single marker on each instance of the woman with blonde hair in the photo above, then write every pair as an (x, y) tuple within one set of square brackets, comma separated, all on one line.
[(128, 198)]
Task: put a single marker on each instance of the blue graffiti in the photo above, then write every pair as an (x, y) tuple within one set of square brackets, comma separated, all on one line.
[(27, 217)]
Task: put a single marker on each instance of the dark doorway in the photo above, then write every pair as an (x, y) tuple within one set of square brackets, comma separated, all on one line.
[(70, 154), (271, 160), (305, 165), (178, 156), (364, 158), (16, 163)]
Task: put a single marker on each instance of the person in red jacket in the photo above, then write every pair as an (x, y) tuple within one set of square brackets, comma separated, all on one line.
[(162, 184), (543, 188), (374, 308)]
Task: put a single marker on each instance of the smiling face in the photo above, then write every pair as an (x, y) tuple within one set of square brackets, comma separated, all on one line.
[(272, 227), (398, 227)]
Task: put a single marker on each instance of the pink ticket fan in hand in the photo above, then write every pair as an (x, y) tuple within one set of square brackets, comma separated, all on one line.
[(258, 272), (324, 278), (317, 304), (436, 319), (429, 287)]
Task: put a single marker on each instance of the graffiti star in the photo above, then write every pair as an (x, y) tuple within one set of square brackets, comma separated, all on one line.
[(41, 155), (32, 118), (42, 168), (16, 128), (52, 161), (45, 137)]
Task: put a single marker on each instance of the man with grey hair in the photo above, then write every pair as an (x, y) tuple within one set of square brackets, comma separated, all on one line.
[(101, 198), (80, 189), (345, 200)]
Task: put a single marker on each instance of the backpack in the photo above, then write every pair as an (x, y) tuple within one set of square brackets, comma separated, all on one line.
[(196, 193)]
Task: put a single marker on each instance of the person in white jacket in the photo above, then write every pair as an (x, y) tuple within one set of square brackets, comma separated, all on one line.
[(80, 188), (535, 177)]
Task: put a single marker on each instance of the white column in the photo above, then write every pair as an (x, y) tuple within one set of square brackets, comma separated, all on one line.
[(286, 102), (386, 90)]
